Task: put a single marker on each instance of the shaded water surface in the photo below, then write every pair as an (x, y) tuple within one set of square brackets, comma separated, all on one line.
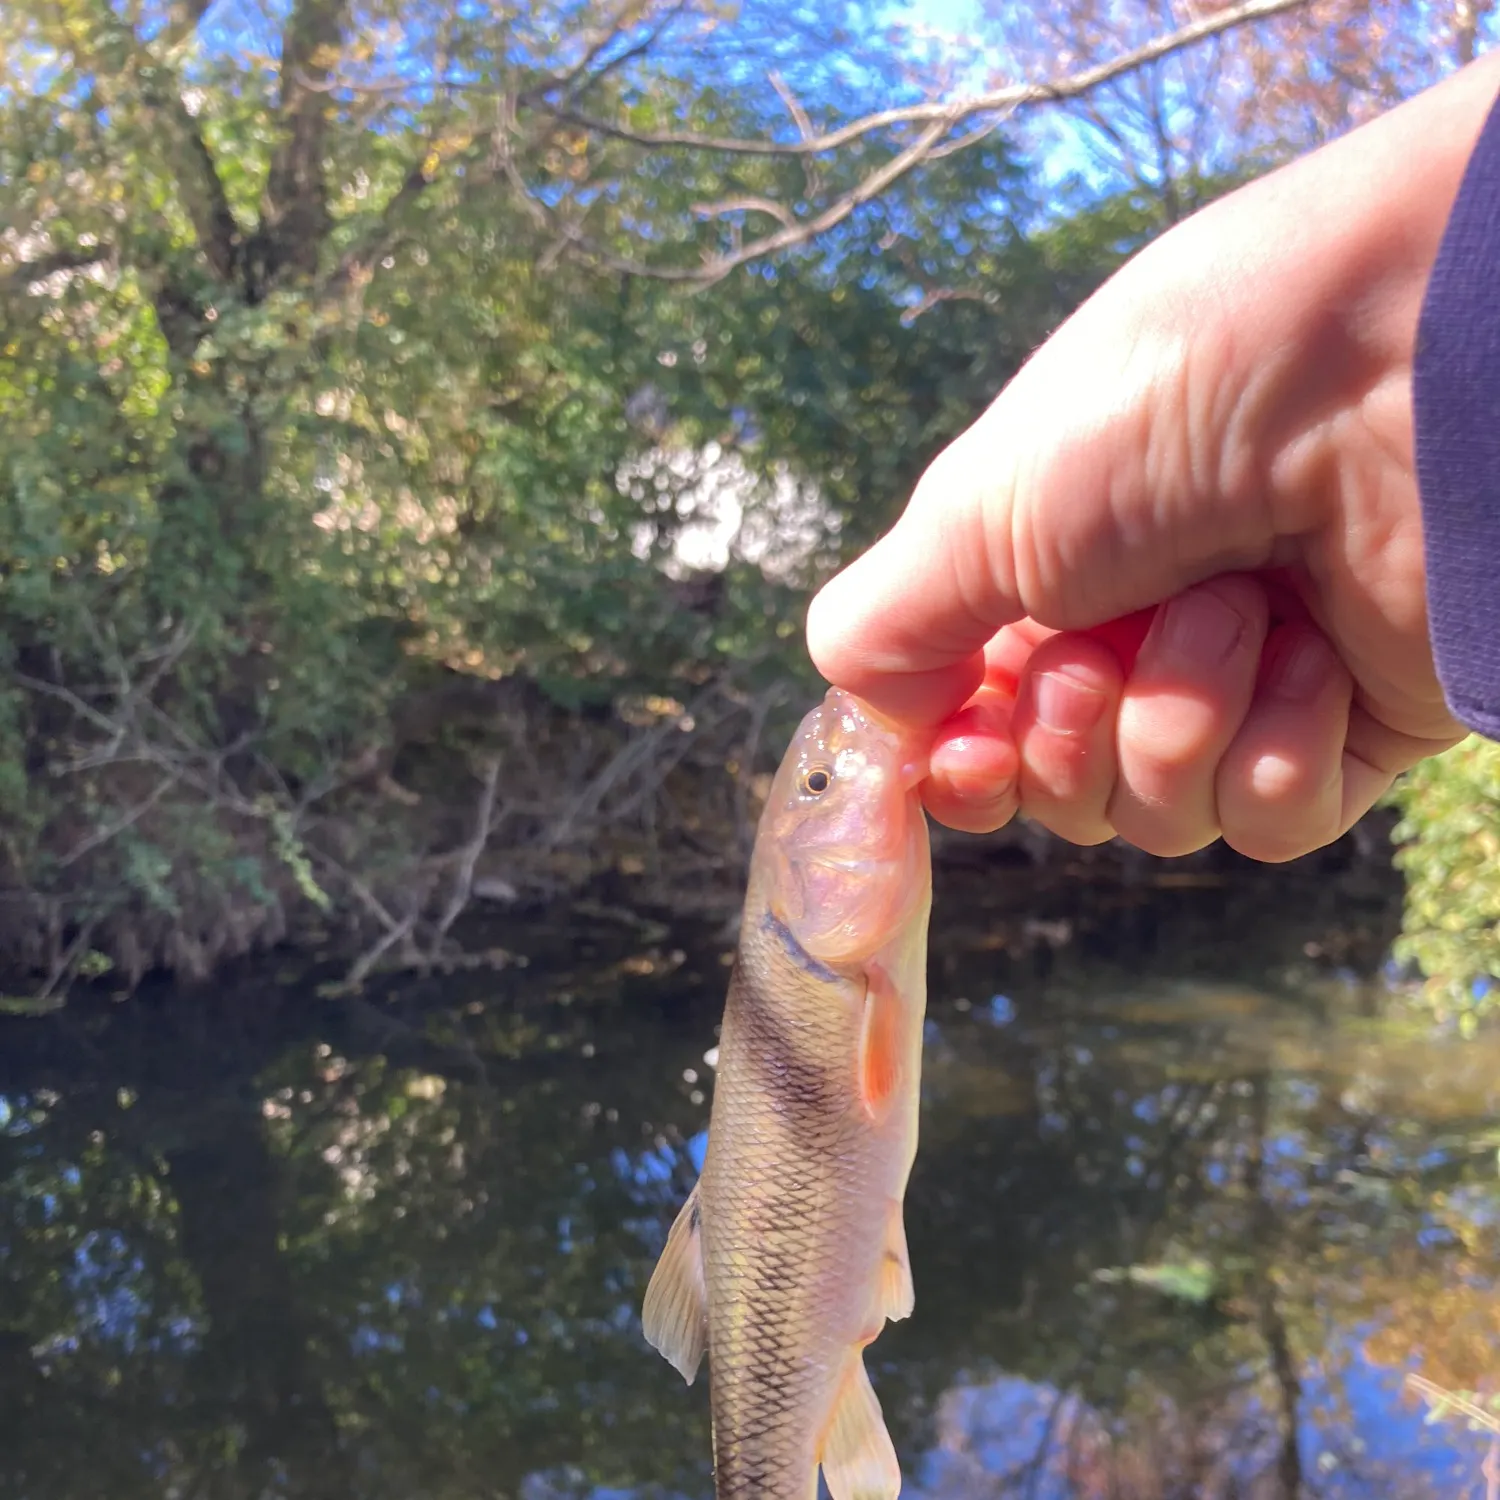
[(1192, 1200)]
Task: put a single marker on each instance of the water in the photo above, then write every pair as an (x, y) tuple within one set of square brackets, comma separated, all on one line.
[(1191, 1202)]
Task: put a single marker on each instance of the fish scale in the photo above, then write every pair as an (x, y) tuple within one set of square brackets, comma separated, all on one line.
[(784, 1299)]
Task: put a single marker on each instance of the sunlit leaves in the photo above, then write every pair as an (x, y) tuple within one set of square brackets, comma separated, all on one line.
[(1450, 837)]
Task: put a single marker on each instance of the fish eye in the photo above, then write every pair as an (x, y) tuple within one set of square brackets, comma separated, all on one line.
[(816, 780)]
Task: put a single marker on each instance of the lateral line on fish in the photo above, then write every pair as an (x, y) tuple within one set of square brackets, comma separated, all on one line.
[(799, 955)]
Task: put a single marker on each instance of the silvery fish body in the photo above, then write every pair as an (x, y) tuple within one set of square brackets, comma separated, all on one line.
[(790, 1254)]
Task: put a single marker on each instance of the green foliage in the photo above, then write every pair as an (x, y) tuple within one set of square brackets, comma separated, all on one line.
[(1450, 852), (302, 411), (308, 411)]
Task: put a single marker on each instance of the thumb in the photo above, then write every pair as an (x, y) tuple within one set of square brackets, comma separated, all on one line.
[(1025, 515), (1110, 475)]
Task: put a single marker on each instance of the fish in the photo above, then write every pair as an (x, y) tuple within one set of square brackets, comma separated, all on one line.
[(790, 1256)]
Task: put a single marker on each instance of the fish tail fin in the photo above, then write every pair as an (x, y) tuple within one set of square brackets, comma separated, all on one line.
[(858, 1457), (674, 1316)]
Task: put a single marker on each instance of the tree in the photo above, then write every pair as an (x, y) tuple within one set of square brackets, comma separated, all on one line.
[(324, 362), (1179, 129), (355, 403)]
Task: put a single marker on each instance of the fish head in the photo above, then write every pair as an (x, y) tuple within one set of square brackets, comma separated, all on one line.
[(843, 840)]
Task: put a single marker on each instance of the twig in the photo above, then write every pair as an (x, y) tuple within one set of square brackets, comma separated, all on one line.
[(812, 179), (66, 965), (1439, 1397), (359, 971), (67, 695), (760, 711), (112, 830), (463, 876)]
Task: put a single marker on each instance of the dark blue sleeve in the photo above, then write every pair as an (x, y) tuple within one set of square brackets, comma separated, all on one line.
[(1456, 399)]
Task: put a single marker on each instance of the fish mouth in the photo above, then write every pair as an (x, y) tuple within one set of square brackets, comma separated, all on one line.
[(913, 747)]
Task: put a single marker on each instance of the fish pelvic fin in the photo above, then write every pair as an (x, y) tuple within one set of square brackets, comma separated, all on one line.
[(879, 1043), (674, 1316), (858, 1457), (897, 1294)]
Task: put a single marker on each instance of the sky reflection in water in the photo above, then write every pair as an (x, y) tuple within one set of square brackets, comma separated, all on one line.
[(1189, 1205)]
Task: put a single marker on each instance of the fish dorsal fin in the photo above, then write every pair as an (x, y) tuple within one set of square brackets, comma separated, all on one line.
[(879, 1043), (858, 1458), (674, 1315), (897, 1295)]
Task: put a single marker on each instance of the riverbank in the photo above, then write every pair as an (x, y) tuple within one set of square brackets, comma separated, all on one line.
[(487, 809)]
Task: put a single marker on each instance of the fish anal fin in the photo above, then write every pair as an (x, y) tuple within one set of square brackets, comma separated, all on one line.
[(879, 1043), (858, 1457), (674, 1316), (897, 1295)]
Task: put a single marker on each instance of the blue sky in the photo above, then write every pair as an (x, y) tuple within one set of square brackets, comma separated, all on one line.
[(1063, 152), (945, 13)]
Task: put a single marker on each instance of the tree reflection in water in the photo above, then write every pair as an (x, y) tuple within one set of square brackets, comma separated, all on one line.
[(1186, 1211)]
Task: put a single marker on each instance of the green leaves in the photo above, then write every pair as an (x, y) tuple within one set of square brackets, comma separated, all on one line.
[(1449, 835)]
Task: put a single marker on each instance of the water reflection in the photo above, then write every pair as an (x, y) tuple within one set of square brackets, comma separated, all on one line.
[(1187, 1209)]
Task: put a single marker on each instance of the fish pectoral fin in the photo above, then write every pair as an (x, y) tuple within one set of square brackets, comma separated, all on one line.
[(858, 1457), (897, 1295), (674, 1316), (879, 1043)]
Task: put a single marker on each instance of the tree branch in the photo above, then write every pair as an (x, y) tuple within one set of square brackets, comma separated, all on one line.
[(183, 19), (1002, 101), (749, 203), (188, 158), (936, 122), (596, 41), (27, 273)]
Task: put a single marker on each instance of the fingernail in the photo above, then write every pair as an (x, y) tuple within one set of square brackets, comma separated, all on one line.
[(1301, 673), (1197, 630), (1065, 705)]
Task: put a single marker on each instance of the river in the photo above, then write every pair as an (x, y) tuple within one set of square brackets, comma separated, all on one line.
[(1195, 1196)]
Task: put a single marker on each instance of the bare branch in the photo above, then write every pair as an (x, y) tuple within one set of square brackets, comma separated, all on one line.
[(970, 138), (749, 204), (468, 858), (934, 296), (793, 107), (1441, 1399), (934, 122), (811, 176), (357, 263), (85, 710), (569, 80), (952, 112), (104, 833)]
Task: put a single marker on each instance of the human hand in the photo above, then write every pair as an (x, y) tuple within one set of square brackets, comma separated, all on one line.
[(1170, 586)]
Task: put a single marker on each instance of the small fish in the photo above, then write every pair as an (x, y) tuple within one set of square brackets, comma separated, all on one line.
[(790, 1253)]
